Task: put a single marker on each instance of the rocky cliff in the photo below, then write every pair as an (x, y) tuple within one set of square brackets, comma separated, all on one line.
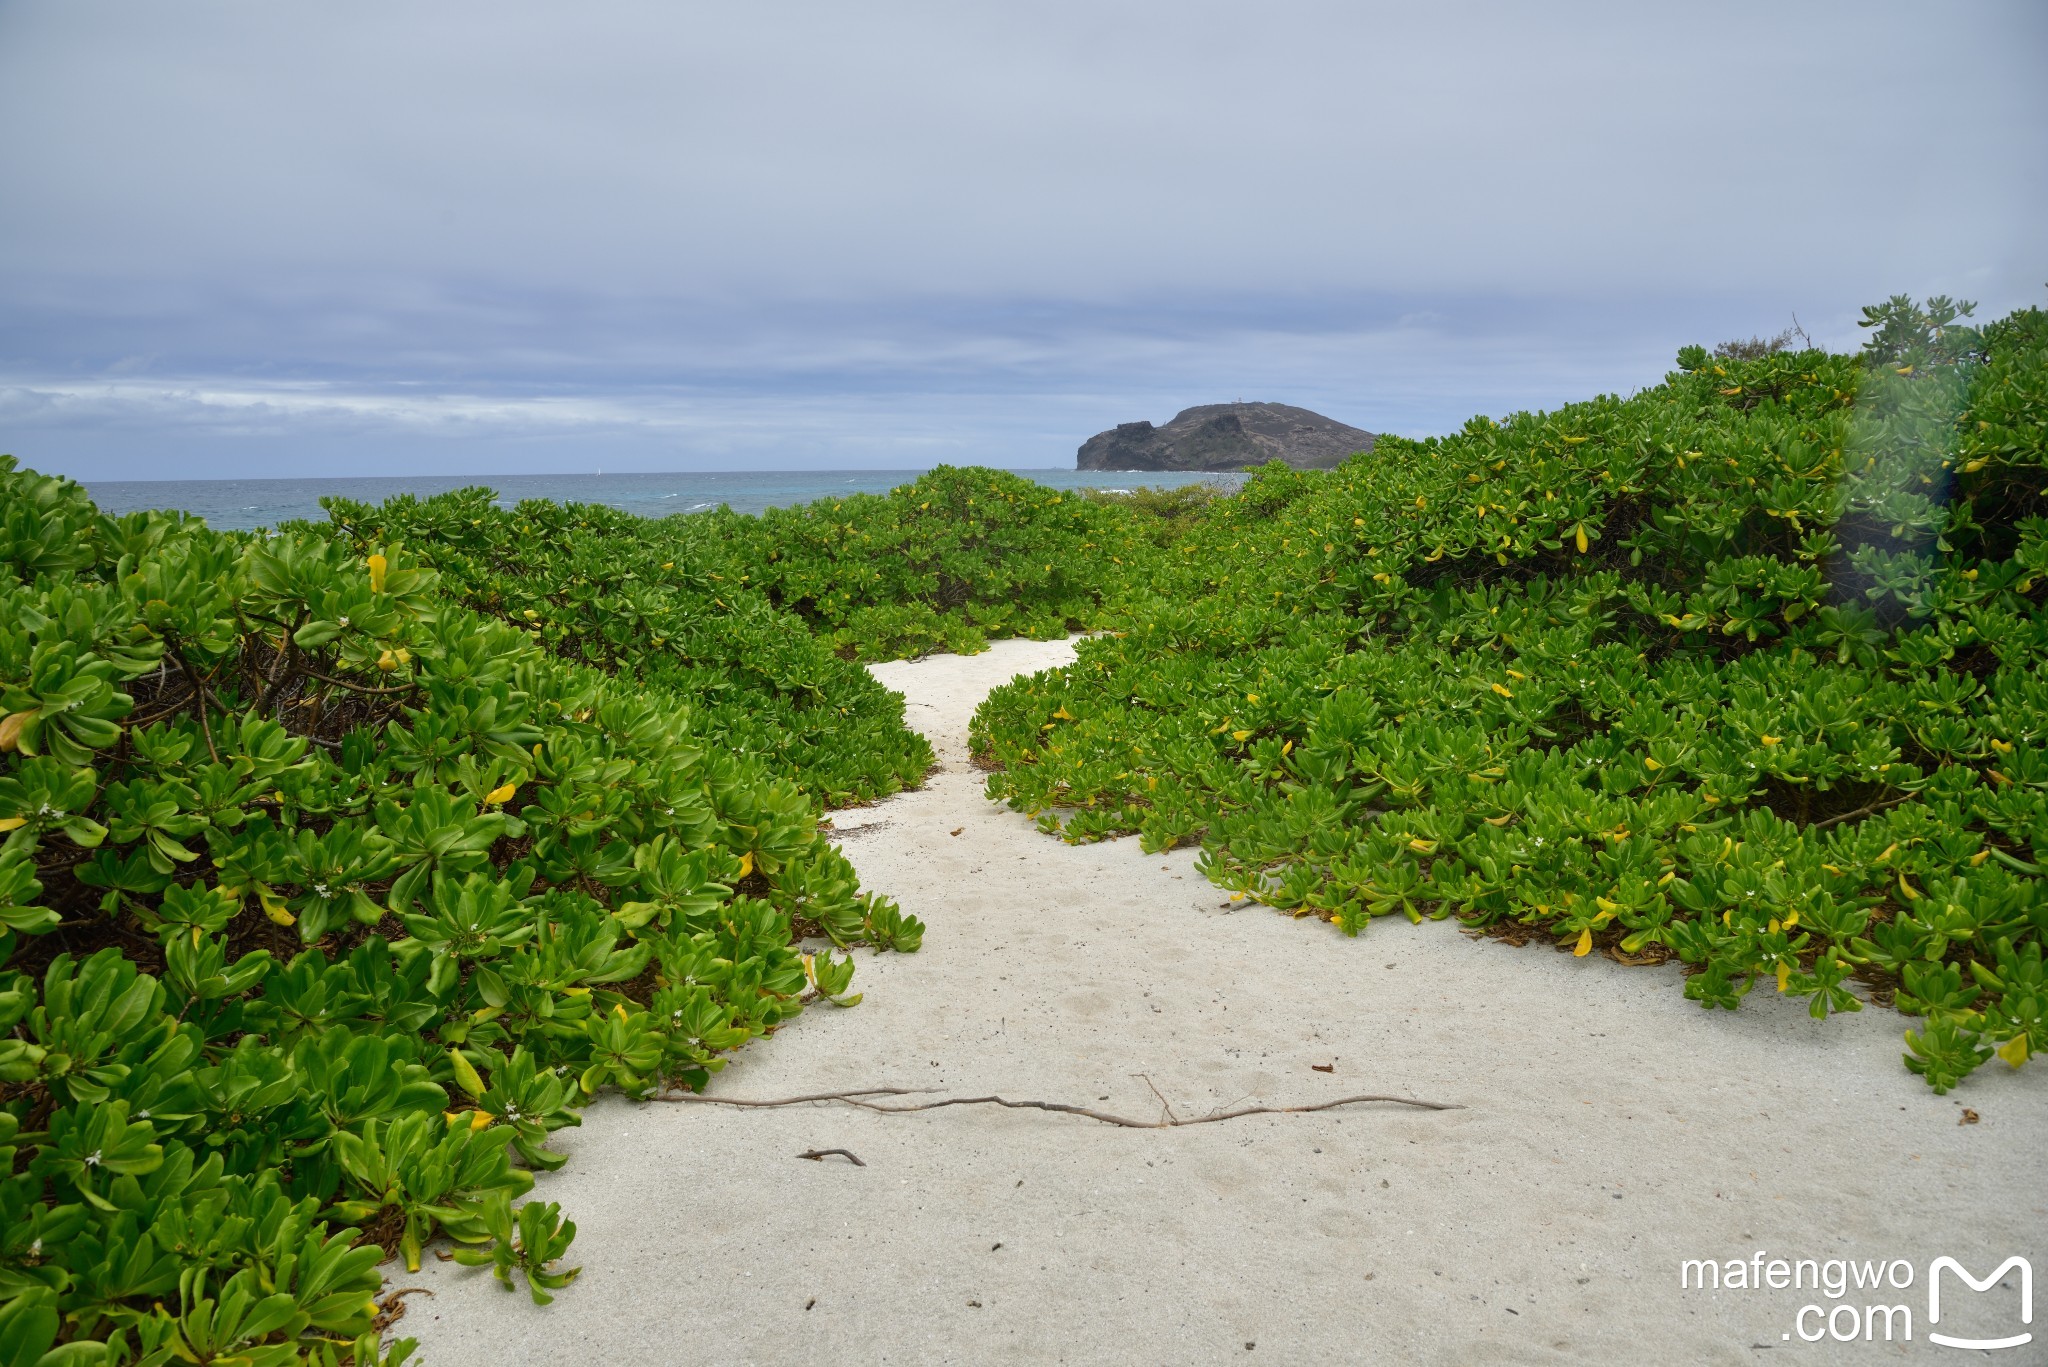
[(1225, 436)]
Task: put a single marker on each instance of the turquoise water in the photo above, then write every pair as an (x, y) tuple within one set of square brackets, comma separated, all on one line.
[(244, 503)]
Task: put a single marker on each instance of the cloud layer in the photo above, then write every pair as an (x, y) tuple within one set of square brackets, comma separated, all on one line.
[(681, 236)]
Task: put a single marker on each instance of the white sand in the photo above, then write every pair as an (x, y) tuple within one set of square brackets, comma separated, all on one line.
[(1613, 1129)]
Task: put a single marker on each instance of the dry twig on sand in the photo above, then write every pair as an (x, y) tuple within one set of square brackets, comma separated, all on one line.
[(856, 1098)]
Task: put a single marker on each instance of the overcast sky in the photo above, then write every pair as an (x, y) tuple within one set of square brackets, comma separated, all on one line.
[(386, 238)]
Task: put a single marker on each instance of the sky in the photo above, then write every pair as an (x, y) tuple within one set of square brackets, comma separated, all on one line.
[(247, 239)]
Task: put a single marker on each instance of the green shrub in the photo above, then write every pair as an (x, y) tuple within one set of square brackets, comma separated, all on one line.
[(1749, 669), (680, 605), (945, 563), (325, 900)]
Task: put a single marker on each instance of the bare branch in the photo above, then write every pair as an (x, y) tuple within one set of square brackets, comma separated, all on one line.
[(355, 687)]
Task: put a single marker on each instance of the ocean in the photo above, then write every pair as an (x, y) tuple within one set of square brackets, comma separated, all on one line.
[(238, 504)]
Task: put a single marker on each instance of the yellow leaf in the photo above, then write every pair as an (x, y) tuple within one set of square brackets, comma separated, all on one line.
[(1418, 501), (1503, 819), (1517, 675), (466, 1076), (746, 863), (1770, 740), (1979, 857), (1784, 976), (2015, 1050), (1907, 888), (13, 823), (1502, 689), (1585, 944), (1791, 919), (277, 911), (1581, 538), (1974, 466), (10, 728), (1606, 906), (1063, 714), (499, 796), (377, 565), (1421, 846), (1240, 735), (1651, 764), (1251, 697), (1287, 749)]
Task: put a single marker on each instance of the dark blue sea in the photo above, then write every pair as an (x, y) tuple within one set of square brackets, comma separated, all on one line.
[(245, 503)]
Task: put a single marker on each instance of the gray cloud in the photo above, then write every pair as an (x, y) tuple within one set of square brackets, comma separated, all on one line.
[(667, 236)]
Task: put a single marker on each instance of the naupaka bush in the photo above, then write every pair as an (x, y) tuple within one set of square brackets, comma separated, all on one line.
[(1749, 669), (325, 900)]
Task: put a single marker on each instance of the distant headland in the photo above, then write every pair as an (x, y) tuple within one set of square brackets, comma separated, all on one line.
[(1225, 436)]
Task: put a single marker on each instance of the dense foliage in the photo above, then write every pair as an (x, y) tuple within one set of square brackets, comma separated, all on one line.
[(1750, 669), (950, 561), (676, 604), (758, 623), (324, 899)]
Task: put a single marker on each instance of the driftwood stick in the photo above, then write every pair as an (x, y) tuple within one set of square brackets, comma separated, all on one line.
[(855, 1098), (1164, 1104), (820, 1155), (790, 1100)]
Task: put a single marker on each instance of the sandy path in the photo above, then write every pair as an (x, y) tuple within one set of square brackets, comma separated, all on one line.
[(1613, 1130)]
